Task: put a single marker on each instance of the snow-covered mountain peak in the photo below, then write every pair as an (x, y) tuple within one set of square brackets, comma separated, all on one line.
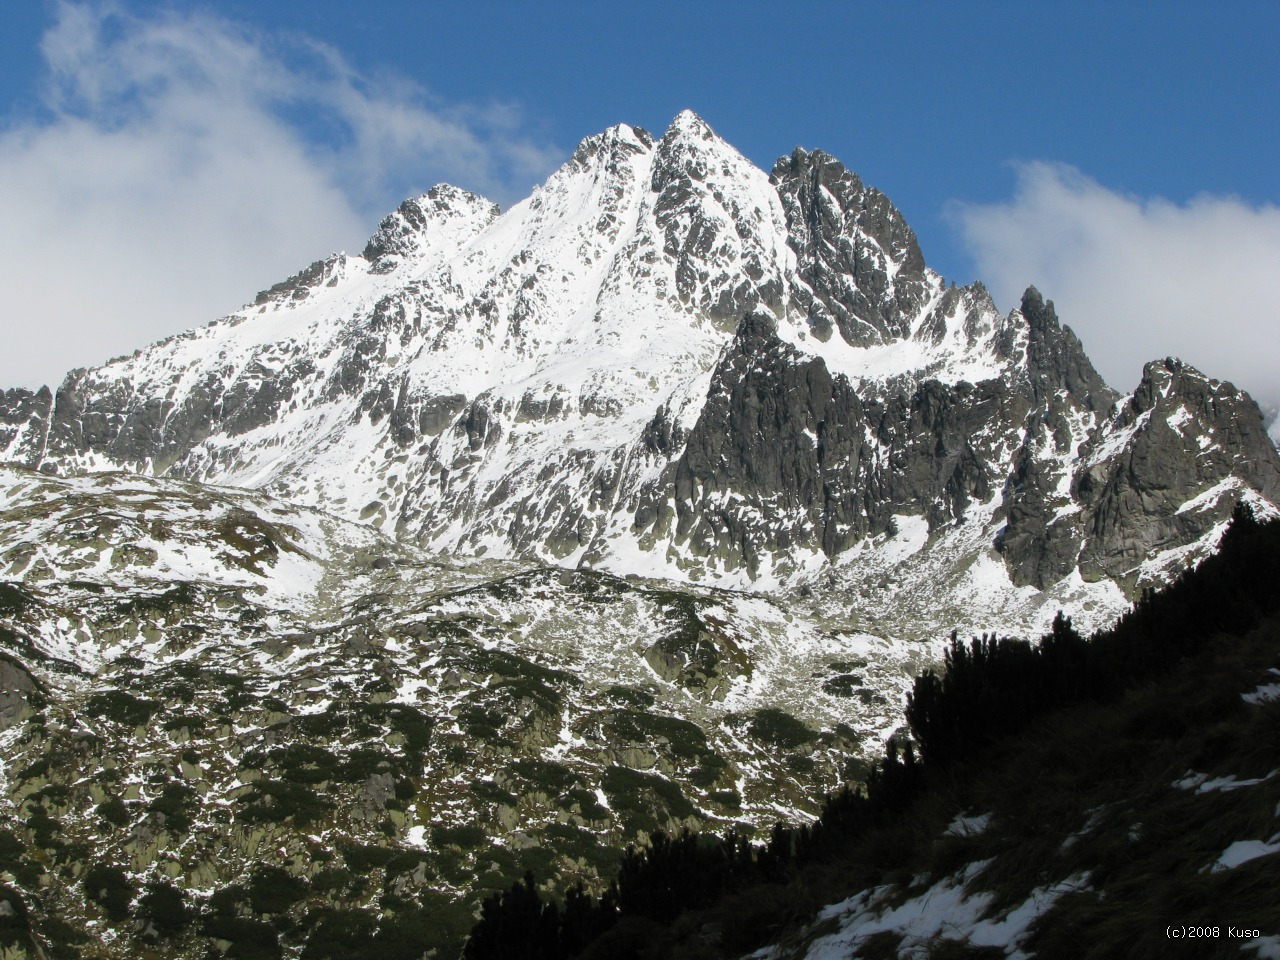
[(687, 124), (690, 148), (441, 219), (620, 137), (574, 380), (862, 271)]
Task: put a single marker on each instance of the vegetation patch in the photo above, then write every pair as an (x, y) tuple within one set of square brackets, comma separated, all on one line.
[(486, 791), (184, 596), (15, 925), (120, 707), (631, 696), (774, 727), (177, 803), (362, 858), (543, 776), (465, 836), (14, 598), (14, 860), (44, 829), (338, 934), (684, 739), (272, 889), (110, 889), (481, 722), (585, 802), (274, 801), (164, 908), (249, 939), (844, 685), (113, 811), (643, 801), (297, 762), (686, 654), (437, 922), (251, 541)]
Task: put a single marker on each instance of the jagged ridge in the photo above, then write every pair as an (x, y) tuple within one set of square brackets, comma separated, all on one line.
[(608, 374)]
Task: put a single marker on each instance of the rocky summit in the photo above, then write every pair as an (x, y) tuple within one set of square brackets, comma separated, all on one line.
[(524, 534)]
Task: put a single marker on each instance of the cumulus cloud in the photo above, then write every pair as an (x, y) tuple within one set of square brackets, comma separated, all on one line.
[(181, 162), (1139, 279)]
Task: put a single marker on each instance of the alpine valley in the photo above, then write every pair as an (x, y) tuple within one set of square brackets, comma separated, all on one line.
[(523, 535)]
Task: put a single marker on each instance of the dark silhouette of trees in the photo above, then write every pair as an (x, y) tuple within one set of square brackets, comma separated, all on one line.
[(994, 687)]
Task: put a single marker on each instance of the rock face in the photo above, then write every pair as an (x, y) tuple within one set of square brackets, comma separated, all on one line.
[(20, 692), (1190, 440), (861, 269), (24, 421), (666, 361)]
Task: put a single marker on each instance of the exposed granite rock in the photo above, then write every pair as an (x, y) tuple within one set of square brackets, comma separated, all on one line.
[(1042, 536), (860, 261), (20, 692), (301, 284), (786, 455), (1056, 360), (1189, 435), (23, 417)]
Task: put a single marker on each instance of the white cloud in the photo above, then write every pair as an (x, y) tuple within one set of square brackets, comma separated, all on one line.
[(1139, 279), (182, 162)]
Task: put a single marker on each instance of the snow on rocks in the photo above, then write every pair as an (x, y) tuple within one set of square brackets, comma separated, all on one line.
[(946, 910)]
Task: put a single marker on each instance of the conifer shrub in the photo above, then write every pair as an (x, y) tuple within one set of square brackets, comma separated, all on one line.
[(779, 728), (114, 812), (489, 792), (164, 907), (184, 595), (272, 889), (630, 696), (362, 858), (275, 801), (14, 860), (120, 707), (643, 801), (15, 923), (544, 776), (110, 888), (843, 685), (177, 802), (14, 598), (465, 836)]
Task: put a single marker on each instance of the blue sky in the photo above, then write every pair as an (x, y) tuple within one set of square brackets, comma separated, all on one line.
[(1090, 148)]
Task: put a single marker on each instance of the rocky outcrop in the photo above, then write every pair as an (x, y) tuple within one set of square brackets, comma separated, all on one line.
[(788, 457), (20, 692), (1061, 374), (1189, 446), (24, 418), (1115, 482), (862, 269), (438, 216)]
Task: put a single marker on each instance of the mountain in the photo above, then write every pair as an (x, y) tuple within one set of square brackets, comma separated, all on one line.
[(522, 535), (667, 362)]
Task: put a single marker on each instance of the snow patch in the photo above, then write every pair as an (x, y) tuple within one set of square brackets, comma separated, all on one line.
[(1242, 851)]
